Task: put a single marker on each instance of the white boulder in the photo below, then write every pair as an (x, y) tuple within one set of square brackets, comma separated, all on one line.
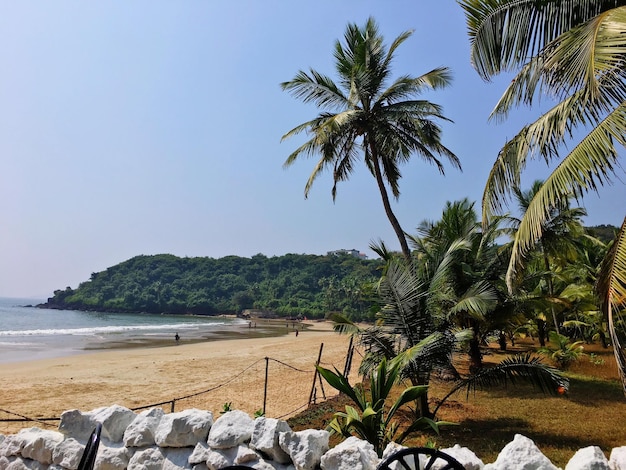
[(12, 445), (351, 454), (38, 444), (305, 448), (230, 430), (177, 458), (115, 419), (150, 458), (265, 438), (140, 432), (183, 429), (588, 458), (220, 458), (76, 424), (68, 453), (617, 459), (464, 456), (521, 454), (113, 456), (18, 463)]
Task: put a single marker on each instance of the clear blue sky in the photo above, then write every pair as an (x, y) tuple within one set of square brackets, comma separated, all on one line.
[(150, 126)]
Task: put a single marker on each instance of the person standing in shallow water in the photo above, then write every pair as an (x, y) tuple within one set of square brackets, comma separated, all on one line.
[(177, 338)]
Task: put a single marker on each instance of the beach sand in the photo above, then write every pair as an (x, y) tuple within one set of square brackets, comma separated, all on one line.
[(216, 372)]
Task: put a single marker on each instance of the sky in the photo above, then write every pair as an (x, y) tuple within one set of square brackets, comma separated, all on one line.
[(152, 126)]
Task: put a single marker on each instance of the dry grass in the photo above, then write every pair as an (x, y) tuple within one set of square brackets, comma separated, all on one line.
[(593, 413)]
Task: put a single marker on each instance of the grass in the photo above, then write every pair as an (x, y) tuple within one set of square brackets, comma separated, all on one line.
[(592, 413)]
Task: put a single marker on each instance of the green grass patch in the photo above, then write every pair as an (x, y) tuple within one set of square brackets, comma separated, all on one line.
[(592, 413)]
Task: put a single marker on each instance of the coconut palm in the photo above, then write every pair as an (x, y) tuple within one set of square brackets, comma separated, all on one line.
[(574, 50), (560, 233), (365, 114)]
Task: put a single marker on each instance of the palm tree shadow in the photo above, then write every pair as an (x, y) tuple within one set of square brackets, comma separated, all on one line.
[(497, 431)]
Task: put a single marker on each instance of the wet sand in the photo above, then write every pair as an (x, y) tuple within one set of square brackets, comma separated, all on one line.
[(204, 375)]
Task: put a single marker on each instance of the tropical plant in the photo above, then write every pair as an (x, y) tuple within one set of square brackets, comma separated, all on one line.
[(563, 351), (574, 51), (560, 233), (373, 421), (364, 114)]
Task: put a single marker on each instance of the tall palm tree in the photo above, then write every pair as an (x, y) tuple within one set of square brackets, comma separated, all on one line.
[(574, 50), (363, 115)]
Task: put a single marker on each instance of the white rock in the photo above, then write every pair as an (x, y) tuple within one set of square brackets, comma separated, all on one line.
[(220, 458), (588, 458), (521, 454), (183, 429), (151, 458), (245, 455), (76, 424), (11, 445), (18, 463), (68, 453), (265, 438), (230, 430), (351, 454), (115, 419), (113, 456), (38, 444), (464, 456), (305, 448), (140, 432), (617, 459), (200, 454), (177, 458)]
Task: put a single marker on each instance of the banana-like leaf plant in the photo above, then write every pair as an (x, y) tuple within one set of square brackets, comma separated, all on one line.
[(372, 417)]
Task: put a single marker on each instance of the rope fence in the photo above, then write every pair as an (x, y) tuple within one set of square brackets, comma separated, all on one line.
[(239, 391)]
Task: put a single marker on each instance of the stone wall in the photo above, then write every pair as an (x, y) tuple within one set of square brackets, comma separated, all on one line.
[(193, 439)]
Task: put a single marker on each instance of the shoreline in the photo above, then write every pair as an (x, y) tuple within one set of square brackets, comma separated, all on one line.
[(62, 346), (216, 372)]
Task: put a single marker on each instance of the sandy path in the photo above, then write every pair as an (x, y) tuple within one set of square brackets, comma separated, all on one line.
[(234, 370)]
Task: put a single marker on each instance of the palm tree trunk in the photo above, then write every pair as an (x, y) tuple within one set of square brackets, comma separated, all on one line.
[(390, 215), (550, 290)]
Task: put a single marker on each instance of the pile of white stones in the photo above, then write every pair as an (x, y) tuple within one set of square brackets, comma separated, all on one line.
[(192, 439)]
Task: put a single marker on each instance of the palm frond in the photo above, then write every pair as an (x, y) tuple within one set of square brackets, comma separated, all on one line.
[(343, 325), (477, 301), (589, 164), (504, 33), (522, 368), (317, 88), (611, 289)]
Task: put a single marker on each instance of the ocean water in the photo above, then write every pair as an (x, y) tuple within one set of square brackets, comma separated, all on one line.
[(28, 333)]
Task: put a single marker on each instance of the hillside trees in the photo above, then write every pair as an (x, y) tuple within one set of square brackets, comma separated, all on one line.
[(288, 285)]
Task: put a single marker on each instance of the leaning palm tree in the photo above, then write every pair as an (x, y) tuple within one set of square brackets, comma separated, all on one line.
[(365, 115), (574, 50)]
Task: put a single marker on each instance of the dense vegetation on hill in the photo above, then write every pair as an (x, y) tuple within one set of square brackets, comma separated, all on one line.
[(289, 285)]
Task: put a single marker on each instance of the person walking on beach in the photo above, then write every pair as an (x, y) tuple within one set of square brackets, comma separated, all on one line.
[(176, 337)]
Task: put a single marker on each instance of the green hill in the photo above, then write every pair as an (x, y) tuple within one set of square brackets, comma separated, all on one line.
[(289, 285)]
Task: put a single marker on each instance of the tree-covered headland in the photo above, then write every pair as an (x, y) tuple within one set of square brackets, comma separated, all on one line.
[(289, 285)]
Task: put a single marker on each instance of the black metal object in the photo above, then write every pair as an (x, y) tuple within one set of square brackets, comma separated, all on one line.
[(91, 449), (419, 458)]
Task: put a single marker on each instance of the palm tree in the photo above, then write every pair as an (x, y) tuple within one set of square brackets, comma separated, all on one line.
[(363, 115), (560, 233), (574, 50)]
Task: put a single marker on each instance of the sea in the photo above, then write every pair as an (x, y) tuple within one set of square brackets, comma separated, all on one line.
[(30, 333)]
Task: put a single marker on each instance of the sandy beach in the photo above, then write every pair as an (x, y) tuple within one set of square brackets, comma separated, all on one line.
[(215, 372)]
